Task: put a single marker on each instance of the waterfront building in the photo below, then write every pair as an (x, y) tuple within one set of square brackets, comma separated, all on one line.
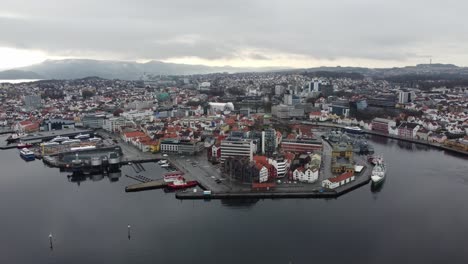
[(306, 175), (57, 124), (93, 120), (408, 130), (237, 148), (169, 146), (340, 108), (301, 145), (338, 181), (382, 125), (190, 147), (342, 158)]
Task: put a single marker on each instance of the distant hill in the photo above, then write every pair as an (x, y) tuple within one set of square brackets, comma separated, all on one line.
[(80, 68), (18, 74)]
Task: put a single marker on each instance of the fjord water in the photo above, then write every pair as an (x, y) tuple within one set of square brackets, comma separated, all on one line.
[(420, 215)]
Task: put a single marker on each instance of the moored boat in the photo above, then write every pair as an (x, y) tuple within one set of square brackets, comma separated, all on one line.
[(15, 137), (82, 136), (22, 145), (172, 176), (379, 171), (59, 139), (353, 130), (180, 183), (27, 155)]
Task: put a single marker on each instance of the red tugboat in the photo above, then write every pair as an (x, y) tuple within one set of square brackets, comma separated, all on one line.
[(180, 183)]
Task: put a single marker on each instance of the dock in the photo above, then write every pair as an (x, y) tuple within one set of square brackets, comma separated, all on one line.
[(47, 135), (273, 194), (156, 184)]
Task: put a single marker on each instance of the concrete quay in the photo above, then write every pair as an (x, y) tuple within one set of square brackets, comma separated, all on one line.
[(324, 193)]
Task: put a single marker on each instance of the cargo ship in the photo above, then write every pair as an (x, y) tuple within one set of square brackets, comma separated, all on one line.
[(27, 155), (180, 183), (379, 171)]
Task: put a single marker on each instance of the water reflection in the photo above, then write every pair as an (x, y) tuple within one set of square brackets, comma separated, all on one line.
[(379, 140), (377, 187), (405, 145), (239, 203), (78, 178)]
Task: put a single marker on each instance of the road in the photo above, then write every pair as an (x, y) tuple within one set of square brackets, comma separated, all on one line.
[(200, 169)]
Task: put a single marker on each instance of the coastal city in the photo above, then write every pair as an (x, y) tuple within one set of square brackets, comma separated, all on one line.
[(272, 134)]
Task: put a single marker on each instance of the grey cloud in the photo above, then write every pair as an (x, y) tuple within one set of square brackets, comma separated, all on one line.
[(213, 29)]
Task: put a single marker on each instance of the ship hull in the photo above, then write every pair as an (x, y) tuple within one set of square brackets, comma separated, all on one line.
[(188, 184), (377, 179)]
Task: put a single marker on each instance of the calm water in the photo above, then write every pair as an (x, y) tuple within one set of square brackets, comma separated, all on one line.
[(419, 216), (19, 80)]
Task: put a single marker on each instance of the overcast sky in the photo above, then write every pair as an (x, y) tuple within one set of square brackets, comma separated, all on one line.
[(306, 33)]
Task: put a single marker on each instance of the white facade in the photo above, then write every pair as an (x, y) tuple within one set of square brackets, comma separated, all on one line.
[(280, 166), (169, 148), (309, 175), (263, 175), (237, 148), (113, 124)]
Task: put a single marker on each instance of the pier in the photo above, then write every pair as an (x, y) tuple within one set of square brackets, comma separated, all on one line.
[(156, 184)]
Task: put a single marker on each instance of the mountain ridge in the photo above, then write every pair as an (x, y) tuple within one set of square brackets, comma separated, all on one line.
[(131, 70)]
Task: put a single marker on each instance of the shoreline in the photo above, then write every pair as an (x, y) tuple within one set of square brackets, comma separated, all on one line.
[(375, 133)]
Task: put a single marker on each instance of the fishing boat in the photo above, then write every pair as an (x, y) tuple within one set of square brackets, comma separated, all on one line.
[(379, 171), (27, 155), (180, 183)]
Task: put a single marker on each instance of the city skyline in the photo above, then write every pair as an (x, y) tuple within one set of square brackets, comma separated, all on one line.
[(297, 34)]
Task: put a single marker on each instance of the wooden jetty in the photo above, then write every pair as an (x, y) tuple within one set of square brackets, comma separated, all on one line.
[(156, 184)]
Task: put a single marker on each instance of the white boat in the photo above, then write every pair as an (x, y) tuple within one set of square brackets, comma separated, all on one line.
[(71, 141), (94, 139), (26, 154), (161, 162), (165, 165), (353, 130), (50, 144), (379, 171), (83, 148), (59, 139), (170, 177), (15, 137), (82, 136)]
